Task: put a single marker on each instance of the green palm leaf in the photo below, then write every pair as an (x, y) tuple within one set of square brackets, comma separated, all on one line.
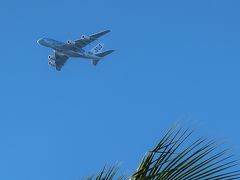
[(107, 174), (174, 158)]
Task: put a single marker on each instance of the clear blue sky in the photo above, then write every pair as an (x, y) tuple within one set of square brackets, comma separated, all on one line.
[(174, 60)]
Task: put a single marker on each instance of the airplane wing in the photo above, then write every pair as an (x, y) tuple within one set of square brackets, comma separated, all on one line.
[(60, 60), (85, 40)]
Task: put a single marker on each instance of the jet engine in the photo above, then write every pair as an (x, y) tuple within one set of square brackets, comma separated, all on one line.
[(85, 37), (52, 60), (71, 42)]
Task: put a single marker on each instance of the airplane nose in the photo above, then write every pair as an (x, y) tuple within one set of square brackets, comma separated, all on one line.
[(39, 41)]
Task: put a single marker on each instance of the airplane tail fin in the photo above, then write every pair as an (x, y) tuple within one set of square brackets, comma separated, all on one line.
[(101, 55), (98, 48)]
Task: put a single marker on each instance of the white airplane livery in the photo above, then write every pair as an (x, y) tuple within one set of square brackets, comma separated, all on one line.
[(63, 51)]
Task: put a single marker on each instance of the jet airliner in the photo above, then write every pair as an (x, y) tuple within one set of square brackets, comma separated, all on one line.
[(74, 49)]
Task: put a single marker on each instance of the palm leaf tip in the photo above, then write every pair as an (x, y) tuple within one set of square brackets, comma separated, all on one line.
[(176, 157), (108, 174)]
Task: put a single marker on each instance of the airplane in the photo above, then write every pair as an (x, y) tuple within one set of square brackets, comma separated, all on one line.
[(63, 51)]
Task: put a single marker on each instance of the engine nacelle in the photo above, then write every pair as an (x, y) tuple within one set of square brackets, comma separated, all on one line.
[(52, 60), (85, 37), (71, 42), (51, 57)]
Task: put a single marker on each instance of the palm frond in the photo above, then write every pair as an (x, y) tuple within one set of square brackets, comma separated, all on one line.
[(108, 174), (175, 158)]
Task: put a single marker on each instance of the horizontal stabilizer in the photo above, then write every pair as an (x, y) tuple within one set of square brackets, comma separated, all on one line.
[(94, 62), (104, 53), (101, 55)]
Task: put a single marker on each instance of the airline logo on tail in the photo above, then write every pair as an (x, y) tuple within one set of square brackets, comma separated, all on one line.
[(98, 48)]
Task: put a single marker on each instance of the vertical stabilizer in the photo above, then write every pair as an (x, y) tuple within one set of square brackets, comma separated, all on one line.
[(97, 49)]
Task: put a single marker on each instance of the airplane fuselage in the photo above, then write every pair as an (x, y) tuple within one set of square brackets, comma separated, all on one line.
[(65, 49)]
